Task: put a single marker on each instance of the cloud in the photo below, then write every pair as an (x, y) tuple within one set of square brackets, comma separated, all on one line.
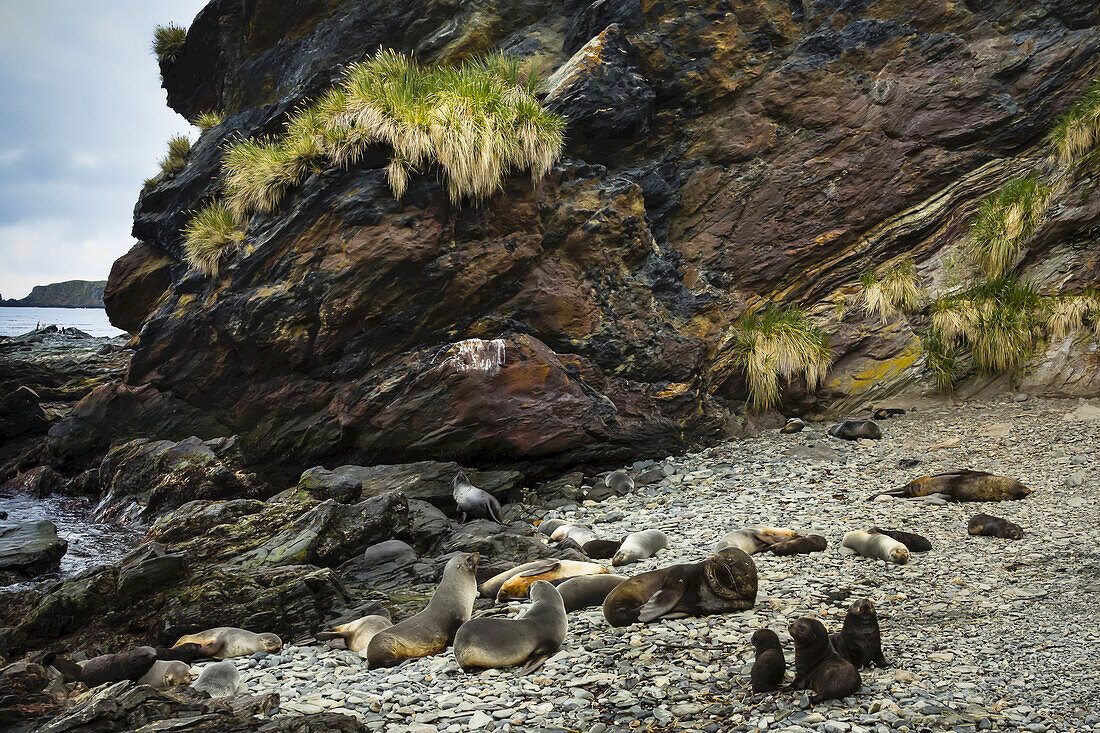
[(10, 157)]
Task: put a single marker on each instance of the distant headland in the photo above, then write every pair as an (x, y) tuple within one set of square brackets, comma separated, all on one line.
[(69, 294)]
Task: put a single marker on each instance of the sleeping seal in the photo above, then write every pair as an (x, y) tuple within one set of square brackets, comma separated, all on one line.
[(990, 526), (859, 641), (579, 533), (588, 590), (224, 642), (801, 545), (962, 486), (876, 546), (517, 585), (913, 542), (640, 545), (886, 413), (770, 665), (164, 674), (601, 549), (182, 653), (128, 665), (619, 482), (531, 639), (752, 540), (722, 583), (856, 429), (220, 679), (473, 501), (817, 666), (358, 633), (794, 425), (548, 526), (432, 630)]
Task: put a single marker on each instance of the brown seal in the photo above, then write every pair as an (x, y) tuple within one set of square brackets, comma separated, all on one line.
[(358, 633), (859, 641), (224, 642), (588, 590), (801, 545), (962, 486), (183, 653), (517, 585), (531, 639), (166, 673), (770, 665), (856, 429), (912, 541), (888, 412), (722, 583), (990, 526), (129, 665), (817, 666), (752, 540)]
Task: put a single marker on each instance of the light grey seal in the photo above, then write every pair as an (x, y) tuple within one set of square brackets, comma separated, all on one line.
[(220, 679), (585, 591), (474, 501), (876, 546), (619, 482), (579, 533), (166, 673), (358, 633), (531, 639), (640, 545), (226, 641)]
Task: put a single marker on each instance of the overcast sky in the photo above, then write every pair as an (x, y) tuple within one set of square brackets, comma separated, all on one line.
[(83, 121)]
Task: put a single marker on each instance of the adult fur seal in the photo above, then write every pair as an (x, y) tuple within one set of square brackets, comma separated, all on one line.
[(913, 542), (990, 526), (224, 642), (128, 665), (579, 533), (722, 583), (473, 501), (531, 639), (962, 486), (548, 526), (358, 633), (166, 673), (517, 585), (794, 425), (856, 429), (801, 545), (640, 545), (769, 666), (859, 641), (433, 629), (220, 679), (752, 540), (817, 666), (877, 546), (584, 591), (619, 482), (491, 587), (182, 653)]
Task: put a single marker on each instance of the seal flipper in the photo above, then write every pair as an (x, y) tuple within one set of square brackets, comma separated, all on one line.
[(493, 508), (212, 649), (661, 602), (536, 660), (880, 660), (539, 569)]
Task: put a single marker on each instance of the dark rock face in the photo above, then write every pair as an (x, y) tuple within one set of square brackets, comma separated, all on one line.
[(424, 480), (138, 279), (28, 549), (38, 482), (21, 413)]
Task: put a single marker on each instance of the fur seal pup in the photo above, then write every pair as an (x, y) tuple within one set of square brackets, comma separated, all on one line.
[(876, 546), (859, 640), (579, 533), (990, 526), (224, 642), (752, 540), (722, 583), (128, 665), (183, 653), (770, 665), (962, 486), (531, 639), (432, 630), (640, 545), (517, 585), (802, 545), (547, 527), (473, 501), (491, 587), (912, 541), (166, 673), (856, 429), (220, 679), (817, 666), (794, 425), (358, 633), (886, 413), (584, 591), (619, 482), (601, 549)]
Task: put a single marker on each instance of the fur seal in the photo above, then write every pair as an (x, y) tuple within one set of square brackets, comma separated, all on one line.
[(722, 583), (548, 526), (220, 679), (802, 545), (474, 501), (794, 425), (358, 633), (856, 429), (859, 641), (913, 542), (601, 549), (183, 653), (990, 526), (962, 486), (517, 585), (885, 413), (128, 665), (619, 482), (224, 642), (531, 639), (579, 533), (752, 540), (769, 666), (432, 630), (640, 545), (817, 666), (166, 673), (877, 546), (588, 590), (491, 587)]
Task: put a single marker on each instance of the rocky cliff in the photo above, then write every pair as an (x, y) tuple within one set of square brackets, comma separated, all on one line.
[(69, 294), (720, 155)]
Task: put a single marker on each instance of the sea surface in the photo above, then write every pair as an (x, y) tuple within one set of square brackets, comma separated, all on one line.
[(92, 321)]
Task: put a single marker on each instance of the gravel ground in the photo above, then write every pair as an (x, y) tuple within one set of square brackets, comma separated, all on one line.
[(981, 633)]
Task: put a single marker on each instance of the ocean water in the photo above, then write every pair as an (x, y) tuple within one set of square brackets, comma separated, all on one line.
[(93, 321)]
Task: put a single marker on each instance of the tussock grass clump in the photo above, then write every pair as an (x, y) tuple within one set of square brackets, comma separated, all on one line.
[(257, 175), (894, 293), (780, 342), (207, 120), (1071, 313), (209, 236), (1004, 223), (168, 41), (1078, 131), (940, 358), (176, 159)]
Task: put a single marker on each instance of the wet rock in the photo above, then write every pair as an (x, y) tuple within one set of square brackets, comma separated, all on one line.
[(28, 549), (39, 482), (381, 563), (21, 414), (23, 694), (590, 22), (199, 517), (150, 566)]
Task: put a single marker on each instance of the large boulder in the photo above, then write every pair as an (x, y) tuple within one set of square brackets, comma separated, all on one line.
[(28, 549), (423, 480), (21, 413), (137, 280), (38, 482)]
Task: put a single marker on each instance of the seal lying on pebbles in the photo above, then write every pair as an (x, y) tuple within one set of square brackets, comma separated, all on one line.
[(579, 533), (164, 674), (517, 585), (990, 526), (794, 425), (619, 482), (856, 429), (859, 641), (183, 653), (473, 501), (220, 679), (876, 546), (225, 641), (588, 590), (722, 583), (801, 545), (548, 526), (769, 666), (531, 639), (599, 549), (913, 542), (432, 630), (888, 412), (962, 486), (817, 666), (640, 545), (128, 665), (752, 540), (358, 633)]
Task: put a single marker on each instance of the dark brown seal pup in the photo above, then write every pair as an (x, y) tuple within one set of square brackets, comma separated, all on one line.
[(859, 641), (601, 549), (856, 429), (990, 526), (587, 590), (887, 413), (794, 425), (770, 666), (722, 583), (182, 653), (802, 545), (913, 542), (129, 665), (962, 486), (817, 666)]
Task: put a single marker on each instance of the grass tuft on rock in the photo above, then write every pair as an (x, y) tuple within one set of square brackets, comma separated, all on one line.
[(176, 159), (210, 236), (893, 293), (1077, 133), (257, 175), (168, 41), (1071, 313), (780, 342), (940, 358), (1004, 223), (205, 121)]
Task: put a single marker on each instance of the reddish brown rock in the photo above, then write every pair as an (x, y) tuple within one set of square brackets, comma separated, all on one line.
[(137, 281)]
